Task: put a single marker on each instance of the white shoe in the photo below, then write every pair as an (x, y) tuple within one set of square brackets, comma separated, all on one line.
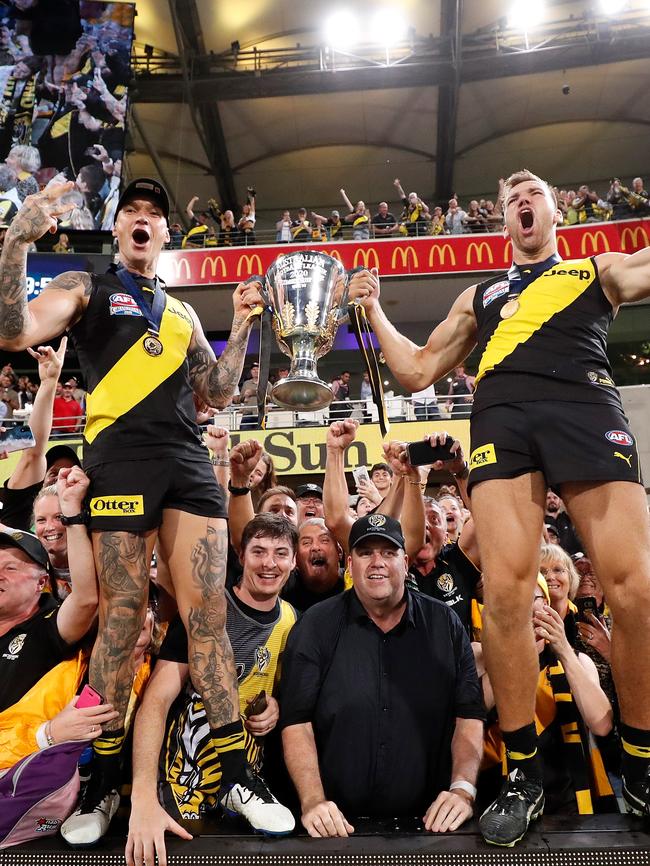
[(90, 822), (251, 799)]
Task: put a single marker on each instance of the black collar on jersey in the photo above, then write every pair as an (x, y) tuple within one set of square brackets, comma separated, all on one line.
[(153, 315), (521, 276)]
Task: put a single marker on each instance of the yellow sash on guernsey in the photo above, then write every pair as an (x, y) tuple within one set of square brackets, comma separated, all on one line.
[(137, 374), (543, 299)]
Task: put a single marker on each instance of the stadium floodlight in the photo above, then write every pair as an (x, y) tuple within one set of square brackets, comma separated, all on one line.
[(342, 29), (387, 27), (525, 14), (612, 7)]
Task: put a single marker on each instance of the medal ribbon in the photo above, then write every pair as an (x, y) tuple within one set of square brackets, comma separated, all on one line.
[(521, 276), (154, 314)]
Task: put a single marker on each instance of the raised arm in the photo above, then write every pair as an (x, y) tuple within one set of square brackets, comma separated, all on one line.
[(215, 381), (345, 198), (79, 609), (31, 466), (340, 436), (624, 278), (149, 821), (63, 300), (416, 367), (412, 516), (398, 187), (189, 207), (244, 457)]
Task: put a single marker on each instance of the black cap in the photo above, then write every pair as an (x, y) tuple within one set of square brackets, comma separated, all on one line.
[(57, 452), (309, 490), (145, 186), (26, 542), (376, 526)]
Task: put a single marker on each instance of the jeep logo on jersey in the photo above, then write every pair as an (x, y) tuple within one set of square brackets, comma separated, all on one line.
[(495, 291), (619, 437), (116, 506), (123, 305)]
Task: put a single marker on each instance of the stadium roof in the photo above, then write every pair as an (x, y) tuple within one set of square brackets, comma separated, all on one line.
[(230, 94)]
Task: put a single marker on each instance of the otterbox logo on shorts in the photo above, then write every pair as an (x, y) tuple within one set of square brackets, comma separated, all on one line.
[(125, 506), (482, 456)]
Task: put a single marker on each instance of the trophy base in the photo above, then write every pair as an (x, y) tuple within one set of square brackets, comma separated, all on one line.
[(302, 394)]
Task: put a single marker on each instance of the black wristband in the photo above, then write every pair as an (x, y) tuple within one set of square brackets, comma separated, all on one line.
[(238, 491), (82, 518)]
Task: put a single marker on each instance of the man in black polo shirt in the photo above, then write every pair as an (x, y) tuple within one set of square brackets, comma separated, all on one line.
[(381, 708), (383, 222)]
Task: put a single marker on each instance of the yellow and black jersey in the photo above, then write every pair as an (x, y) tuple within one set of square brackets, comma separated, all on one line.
[(139, 404), (189, 764), (553, 347)]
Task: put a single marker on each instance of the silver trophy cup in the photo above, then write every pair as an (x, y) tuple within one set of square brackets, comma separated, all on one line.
[(308, 303)]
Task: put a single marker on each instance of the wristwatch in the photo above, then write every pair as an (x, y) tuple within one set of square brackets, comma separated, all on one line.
[(238, 491), (82, 518)]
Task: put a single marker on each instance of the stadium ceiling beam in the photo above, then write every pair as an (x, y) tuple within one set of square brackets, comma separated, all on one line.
[(423, 72), (205, 111), (451, 12)]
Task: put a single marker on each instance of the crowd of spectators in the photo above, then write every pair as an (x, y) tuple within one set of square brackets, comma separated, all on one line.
[(331, 596), (211, 227), (63, 102)]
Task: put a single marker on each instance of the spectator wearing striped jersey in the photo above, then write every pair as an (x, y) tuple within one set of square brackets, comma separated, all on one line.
[(171, 743)]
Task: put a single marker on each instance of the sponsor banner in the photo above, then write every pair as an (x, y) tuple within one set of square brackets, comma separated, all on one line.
[(295, 451), (400, 256)]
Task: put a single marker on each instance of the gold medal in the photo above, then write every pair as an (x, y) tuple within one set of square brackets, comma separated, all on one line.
[(509, 309), (152, 346)]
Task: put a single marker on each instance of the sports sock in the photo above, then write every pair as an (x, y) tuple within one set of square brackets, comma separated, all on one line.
[(521, 752), (230, 744), (106, 764), (636, 752)]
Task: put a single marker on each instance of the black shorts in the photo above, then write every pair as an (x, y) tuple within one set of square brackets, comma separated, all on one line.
[(133, 494), (566, 441)]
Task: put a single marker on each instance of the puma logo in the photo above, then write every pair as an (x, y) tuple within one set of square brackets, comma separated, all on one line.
[(628, 460)]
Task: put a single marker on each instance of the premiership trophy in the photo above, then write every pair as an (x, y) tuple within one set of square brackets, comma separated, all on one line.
[(308, 302)]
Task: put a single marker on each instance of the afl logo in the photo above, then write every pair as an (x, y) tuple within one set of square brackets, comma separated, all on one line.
[(619, 437)]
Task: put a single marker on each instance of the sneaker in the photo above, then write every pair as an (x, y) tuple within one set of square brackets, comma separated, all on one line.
[(90, 822), (520, 801), (636, 796), (250, 798)]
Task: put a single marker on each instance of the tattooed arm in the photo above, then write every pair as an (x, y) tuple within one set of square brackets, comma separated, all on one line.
[(46, 317), (215, 381)]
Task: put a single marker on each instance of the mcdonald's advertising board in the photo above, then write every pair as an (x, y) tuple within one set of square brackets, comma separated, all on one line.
[(301, 450), (396, 257)]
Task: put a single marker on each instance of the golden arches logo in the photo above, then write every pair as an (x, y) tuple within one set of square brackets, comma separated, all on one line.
[(478, 250), (213, 262), (634, 234), (335, 254), (507, 251), (364, 255), (563, 247), (254, 259), (440, 251), (179, 264), (598, 241), (405, 254)]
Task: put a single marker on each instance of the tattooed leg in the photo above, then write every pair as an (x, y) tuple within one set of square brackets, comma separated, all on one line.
[(122, 561), (196, 549)]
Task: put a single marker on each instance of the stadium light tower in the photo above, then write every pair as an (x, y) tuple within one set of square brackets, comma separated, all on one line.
[(341, 30)]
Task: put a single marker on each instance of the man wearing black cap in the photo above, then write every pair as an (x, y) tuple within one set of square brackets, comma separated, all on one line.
[(381, 708), (143, 356), (309, 498)]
